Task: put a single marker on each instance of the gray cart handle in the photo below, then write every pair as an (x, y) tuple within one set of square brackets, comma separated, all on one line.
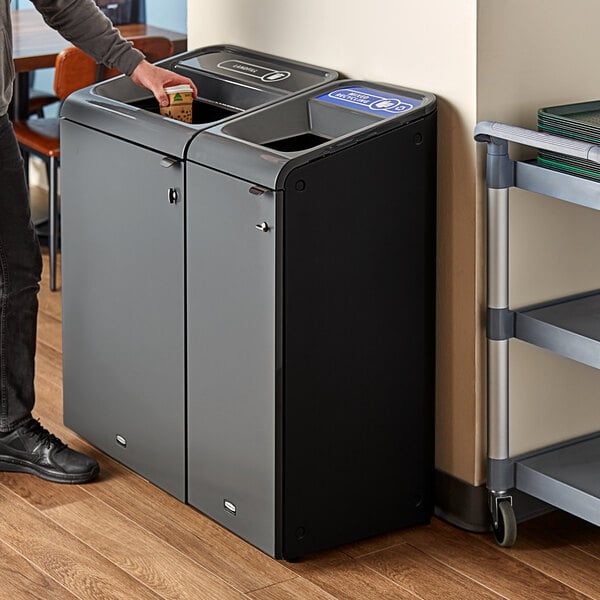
[(496, 133)]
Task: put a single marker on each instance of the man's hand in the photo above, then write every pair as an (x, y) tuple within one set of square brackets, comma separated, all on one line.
[(157, 79)]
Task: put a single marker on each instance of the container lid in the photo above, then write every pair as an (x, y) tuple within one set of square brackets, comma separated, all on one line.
[(262, 146), (257, 69)]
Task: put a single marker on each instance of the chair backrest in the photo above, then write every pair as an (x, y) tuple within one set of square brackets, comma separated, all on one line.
[(74, 70), (153, 47)]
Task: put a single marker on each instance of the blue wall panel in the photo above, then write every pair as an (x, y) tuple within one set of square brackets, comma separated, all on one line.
[(168, 15)]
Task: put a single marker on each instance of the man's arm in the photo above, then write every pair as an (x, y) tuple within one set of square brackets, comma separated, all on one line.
[(83, 24)]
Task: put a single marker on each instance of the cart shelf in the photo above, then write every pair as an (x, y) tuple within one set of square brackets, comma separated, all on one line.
[(566, 476), (569, 327), (577, 190)]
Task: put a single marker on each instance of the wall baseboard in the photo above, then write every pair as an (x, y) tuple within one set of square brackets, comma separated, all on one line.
[(466, 506), (460, 503)]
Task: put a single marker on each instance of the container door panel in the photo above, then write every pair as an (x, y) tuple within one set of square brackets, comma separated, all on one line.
[(123, 286), (231, 354)]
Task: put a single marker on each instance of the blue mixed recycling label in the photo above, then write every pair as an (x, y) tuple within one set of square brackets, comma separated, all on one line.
[(371, 101)]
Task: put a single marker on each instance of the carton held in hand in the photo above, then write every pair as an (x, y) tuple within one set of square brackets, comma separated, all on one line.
[(180, 103)]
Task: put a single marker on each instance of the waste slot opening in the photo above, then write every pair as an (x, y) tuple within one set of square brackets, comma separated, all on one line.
[(295, 143), (202, 112)]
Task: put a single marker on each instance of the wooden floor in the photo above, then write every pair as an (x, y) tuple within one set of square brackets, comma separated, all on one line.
[(120, 537)]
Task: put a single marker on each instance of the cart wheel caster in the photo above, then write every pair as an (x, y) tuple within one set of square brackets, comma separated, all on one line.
[(506, 531)]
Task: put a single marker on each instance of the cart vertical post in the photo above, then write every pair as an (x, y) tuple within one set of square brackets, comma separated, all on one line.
[(500, 472)]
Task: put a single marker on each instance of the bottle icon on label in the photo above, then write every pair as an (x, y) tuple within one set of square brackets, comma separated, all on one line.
[(387, 104)]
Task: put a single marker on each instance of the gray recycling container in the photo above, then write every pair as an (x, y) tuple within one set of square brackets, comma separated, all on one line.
[(310, 278), (124, 250)]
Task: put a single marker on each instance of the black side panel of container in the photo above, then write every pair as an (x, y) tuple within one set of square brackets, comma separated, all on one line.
[(359, 341)]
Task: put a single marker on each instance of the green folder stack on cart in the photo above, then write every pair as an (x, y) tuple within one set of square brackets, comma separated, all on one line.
[(577, 121)]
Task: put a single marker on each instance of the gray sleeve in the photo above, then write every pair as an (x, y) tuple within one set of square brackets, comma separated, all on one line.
[(82, 23)]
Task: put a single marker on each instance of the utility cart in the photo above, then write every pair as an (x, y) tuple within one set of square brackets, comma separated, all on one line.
[(565, 475)]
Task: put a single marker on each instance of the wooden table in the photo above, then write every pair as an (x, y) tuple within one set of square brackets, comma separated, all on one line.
[(35, 46)]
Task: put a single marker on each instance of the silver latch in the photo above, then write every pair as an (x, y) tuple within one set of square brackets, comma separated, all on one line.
[(173, 195), (168, 161), (264, 227), (255, 190)]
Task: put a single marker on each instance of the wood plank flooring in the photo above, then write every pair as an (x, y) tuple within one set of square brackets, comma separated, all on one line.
[(122, 538)]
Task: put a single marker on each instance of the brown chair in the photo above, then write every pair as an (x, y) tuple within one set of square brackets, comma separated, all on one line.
[(38, 100), (73, 70)]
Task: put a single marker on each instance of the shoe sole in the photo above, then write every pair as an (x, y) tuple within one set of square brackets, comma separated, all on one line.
[(15, 466)]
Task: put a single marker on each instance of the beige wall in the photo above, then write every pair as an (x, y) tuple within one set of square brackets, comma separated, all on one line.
[(485, 59), (423, 45), (531, 54)]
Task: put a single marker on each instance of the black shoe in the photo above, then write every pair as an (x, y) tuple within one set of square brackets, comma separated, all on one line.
[(32, 449)]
